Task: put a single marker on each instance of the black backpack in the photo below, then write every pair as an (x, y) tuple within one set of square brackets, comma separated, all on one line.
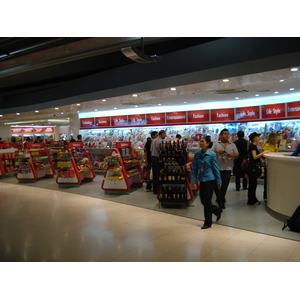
[(294, 222)]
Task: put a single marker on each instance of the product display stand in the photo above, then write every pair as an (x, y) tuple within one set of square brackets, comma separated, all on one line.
[(7, 158), (74, 165), (174, 183), (55, 148), (33, 162), (124, 169)]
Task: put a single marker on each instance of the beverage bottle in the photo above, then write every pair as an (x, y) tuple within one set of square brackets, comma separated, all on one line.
[(169, 175), (182, 177)]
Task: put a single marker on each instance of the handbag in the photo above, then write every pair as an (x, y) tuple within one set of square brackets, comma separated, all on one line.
[(252, 169), (146, 173)]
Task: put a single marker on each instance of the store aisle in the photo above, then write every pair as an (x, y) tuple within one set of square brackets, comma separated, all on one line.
[(39, 224)]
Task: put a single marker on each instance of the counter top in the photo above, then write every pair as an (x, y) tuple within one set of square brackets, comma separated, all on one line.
[(282, 156)]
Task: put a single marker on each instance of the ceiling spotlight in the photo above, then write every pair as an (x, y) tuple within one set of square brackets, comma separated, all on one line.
[(256, 95), (173, 89), (115, 108), (134, 95), (78, 104), (17, 114), (294, 69), (61, 113), (291, 89), (56, 108), (158, 104), (96, 109), (276, 92), (236, 98), (136, 106), (103, 100), (225, 80), (36, 111), (281, 80), (184, 102), (78, 111)]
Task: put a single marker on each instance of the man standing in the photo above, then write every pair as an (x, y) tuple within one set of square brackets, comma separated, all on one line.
[(226, 153), (155, 149), (148, 160), (242, 146)]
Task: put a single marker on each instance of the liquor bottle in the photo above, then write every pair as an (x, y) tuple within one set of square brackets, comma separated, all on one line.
[(162, 192), (182, 176), (173, 175), (169, 175)]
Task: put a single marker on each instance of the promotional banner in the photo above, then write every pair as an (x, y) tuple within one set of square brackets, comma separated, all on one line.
[(137, 119), (198, 116), (293, 109), (37, 130), (220, 115), (273, 111), (176, 117), (87, 122), (123, 144), (156, 118), (49, 130), (102, 122), (119, 121), (27, 129), (247, 113), (16, 130)]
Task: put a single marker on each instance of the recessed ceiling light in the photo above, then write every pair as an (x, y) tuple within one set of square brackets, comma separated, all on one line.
[(173, 89), (115, 108), (78, 104), (184, 102), (56, 108), (78, 111), (136, 106), (291, 89), (61, 113), (36, 111), (103, 100), (18, 114), (294, 69), (225, 80), (236, 98), (96, 109), (281, 80), (134, 95), (276, 92), (158, 104), (256, 95)]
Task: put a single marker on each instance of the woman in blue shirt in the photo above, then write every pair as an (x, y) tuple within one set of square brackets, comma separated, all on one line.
[(206, 167)]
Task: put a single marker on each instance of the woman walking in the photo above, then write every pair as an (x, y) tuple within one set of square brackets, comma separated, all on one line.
[(271, 146), (254, 157), (205, 166)]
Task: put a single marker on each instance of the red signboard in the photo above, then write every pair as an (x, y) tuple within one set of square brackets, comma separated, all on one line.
[(123, 144), (226, 114), (9, 145), (27, 129), (198, 116), (119, 121), (38, 130), (16, 130), (75, 145), (35, 145), (273, 111), (137, 119), (247, 113), (293, 109), (49, 129), (176, 117), (87, 122), (102, 122), (153, 119)]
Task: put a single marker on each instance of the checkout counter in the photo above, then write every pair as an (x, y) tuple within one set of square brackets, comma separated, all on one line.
[(283, 184)]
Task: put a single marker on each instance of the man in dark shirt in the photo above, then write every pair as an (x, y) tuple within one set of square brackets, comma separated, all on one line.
[(242, 146), (147, 155)]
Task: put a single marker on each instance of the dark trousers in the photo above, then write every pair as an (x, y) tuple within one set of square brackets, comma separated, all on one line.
[(225, 176), (265, 184), (206, 192), (155, 172), (239, 173), (252, 190)]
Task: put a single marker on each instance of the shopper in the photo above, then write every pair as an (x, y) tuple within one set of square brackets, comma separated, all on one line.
[(38, 140), (226, 153), (205, 164), (177, 138), (148, 160), (242, 147), (255, 157), (79, 138), (155, 149), (271, 146), (297, 150)]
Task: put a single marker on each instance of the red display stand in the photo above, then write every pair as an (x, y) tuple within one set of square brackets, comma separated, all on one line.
[(74, 165), (124, 169), (7, 158), (34, 162)]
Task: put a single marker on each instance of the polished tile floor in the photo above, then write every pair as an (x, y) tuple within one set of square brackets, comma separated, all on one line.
[(43, 225)]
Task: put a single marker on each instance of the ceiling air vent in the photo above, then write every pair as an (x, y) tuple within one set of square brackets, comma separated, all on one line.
[(229, 91)]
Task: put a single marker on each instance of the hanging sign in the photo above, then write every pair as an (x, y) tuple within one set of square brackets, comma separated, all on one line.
[(87, 123), (273, 111), (102, 122), (226, 114), (38, 129), (119, 121), (137, 119), (27, 129), (16, 130), (293, 109), (49, 129), (176, 117), (123, 144), (247, 113), (197, 116), (157, 118)]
